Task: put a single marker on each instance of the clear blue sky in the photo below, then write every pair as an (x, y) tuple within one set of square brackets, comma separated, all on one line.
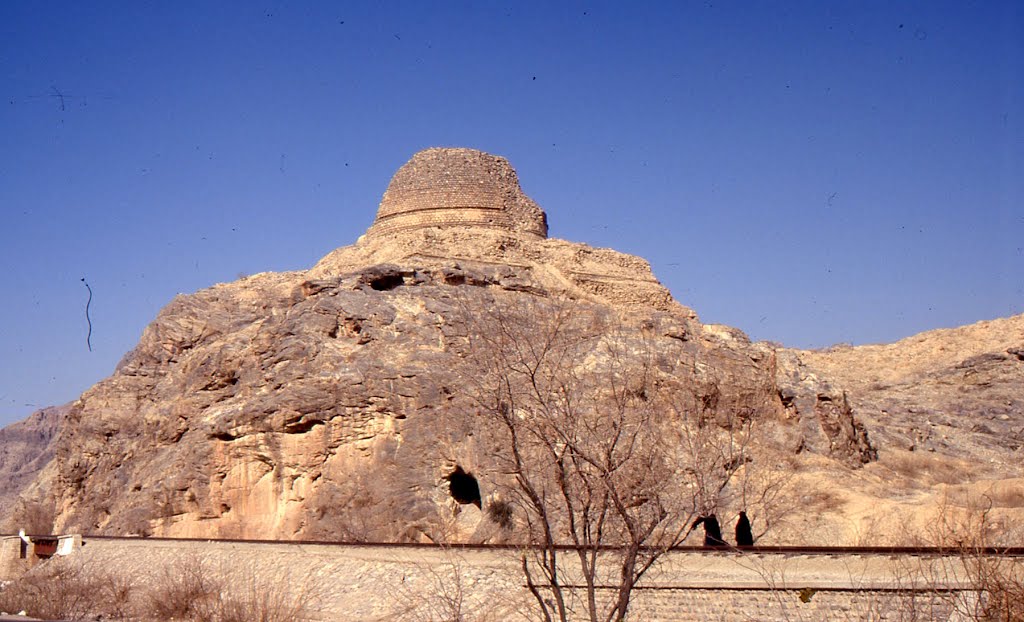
[(811, 172)]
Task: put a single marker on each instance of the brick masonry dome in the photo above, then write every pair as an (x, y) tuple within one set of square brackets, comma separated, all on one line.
[(446, 187)]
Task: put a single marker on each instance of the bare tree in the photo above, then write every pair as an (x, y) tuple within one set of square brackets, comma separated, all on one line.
[(34, 516), (588, 426), (995, 578)]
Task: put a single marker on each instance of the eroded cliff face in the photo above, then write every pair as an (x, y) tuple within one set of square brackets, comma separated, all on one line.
[(286, 406), (26, 448)]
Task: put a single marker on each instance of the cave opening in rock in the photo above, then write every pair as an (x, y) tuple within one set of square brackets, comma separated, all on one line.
[(387, 282), (464, 487)]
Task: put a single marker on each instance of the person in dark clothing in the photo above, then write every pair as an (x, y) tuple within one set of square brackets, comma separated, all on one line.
[(712, 532), (744, 536)]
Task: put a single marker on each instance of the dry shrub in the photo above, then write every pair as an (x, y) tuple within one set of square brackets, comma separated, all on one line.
[(191, 588), (443, 593), (194, 588), (442, 598), (972, 580), (184, 591), (63, 589), (917, 593), (501, 513), (870, 531), (256, 597)]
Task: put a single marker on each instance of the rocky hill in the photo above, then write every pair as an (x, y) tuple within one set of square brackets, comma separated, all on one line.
[(26, 447), (333, 402), (955, 391)]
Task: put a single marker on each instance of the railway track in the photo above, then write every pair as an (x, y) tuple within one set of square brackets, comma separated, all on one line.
[(774, 550)]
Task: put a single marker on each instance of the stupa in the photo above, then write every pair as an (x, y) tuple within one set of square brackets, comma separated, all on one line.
[(454, 208), (457, 187)]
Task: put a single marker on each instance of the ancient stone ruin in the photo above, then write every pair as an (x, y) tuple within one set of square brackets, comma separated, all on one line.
[(464, 205), (457, 188)]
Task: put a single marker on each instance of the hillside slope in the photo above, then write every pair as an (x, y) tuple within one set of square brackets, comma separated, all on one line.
[(335, 403)]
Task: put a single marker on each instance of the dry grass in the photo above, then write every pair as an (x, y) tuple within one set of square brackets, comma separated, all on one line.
[(821, 501), (926, 468), (190, 588), (1007, 494)]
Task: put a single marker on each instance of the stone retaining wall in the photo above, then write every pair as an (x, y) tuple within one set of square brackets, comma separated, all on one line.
[(365, 582)]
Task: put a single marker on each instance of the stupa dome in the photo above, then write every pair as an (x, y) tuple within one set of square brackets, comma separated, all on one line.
[(448, 187)]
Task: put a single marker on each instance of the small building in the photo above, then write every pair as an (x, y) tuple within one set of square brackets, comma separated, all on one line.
[(20, 552)]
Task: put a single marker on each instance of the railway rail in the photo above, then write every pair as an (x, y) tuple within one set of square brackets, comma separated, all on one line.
[(1015, 551)]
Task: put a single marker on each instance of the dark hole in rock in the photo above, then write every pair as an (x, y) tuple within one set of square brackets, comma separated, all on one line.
[(387, 282), (464, 487), (787, 399)]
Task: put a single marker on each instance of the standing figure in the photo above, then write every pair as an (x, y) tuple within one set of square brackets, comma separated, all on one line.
[(712, 532), (744, 536)]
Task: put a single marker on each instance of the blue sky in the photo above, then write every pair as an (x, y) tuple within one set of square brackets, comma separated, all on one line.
[(811, 173)]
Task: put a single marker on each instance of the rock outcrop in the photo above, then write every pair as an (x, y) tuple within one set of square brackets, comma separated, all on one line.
[(26, 447), (248, 408), (330, 403), (957, 392)]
